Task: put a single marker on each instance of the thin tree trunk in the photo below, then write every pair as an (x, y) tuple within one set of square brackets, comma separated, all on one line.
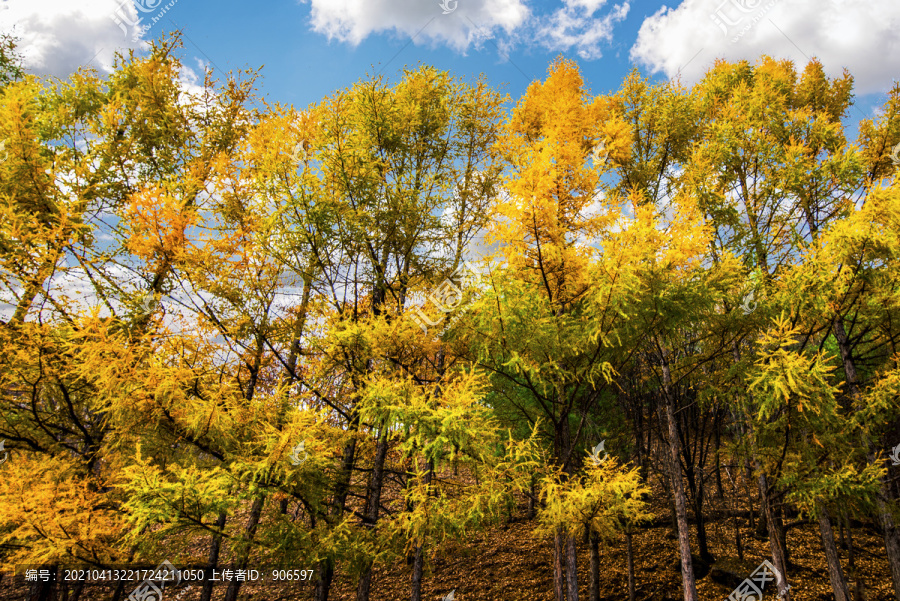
[(774, 543), (684, 541), (859, 587), (755, 517), (594, 594), (213, 562), (342, 489), (737, 539), (571, 567), (891, 537), (372, 506), (255, 512), (559, 570), (323, 584), (630, 551), (531, 499), (418, 567), (120, 590), (419, 561), (702, 543), (885, 519), (737, 526), (666, 481), (835, 572), (782, 535), (234, 586), (765, 502)]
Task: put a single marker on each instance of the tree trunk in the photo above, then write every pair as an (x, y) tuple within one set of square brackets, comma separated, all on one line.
[(629, 549), (885, 519), (418, 567), (702, 544), (531, 499), (859, 587), (891, 538), (764, 501), (419, 561), (774, 543), (373, 502), (120, 590), (720, 490), (781, 535), (684, 540), (255, 512), (755, 517), (213, 562), (571, 567), (342, 489), (835, 572), (559, 569), (594, 594), (323, 584)]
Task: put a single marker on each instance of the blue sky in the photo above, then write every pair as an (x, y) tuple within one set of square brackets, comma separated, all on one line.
[(311, 48)]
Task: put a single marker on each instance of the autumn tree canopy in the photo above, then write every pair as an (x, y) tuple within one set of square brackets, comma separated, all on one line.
[(263, 337)]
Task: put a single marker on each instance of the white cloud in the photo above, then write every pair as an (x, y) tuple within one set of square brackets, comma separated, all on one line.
[(863, 36), (467, 22), (575, 26), (56, 37)]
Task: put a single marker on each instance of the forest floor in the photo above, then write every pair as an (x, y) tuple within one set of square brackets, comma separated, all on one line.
[(508, 563)]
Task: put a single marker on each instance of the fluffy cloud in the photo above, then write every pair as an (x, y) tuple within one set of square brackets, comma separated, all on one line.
[(863, 36), (465, 22), (462, 23), (56, 37), (575, 26)]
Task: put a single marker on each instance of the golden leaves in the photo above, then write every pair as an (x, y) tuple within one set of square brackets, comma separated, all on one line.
[(158, 224)]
